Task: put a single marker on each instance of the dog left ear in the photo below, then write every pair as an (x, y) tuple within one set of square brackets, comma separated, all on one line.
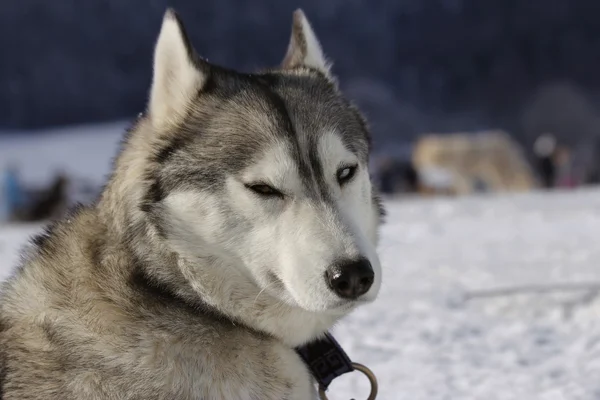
[(178, 73), (304, 48)]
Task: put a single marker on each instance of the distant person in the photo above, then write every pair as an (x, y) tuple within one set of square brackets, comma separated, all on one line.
[(564, 168), (544, 150), (386, 177), (411, 178), (51, 202), (13, 193), (592, 175)]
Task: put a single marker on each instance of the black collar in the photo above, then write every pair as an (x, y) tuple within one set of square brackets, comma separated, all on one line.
[(326, 360)]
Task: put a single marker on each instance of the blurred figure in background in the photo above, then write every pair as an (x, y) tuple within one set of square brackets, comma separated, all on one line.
[(51, 202), (397, 176), (565, 177), (544, 150), (21, 204), (13, 196), (386, 176)]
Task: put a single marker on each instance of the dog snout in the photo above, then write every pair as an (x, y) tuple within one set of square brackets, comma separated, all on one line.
[(350, 279)]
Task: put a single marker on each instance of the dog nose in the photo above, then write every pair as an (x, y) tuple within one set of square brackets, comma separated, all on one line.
[(350, 279)]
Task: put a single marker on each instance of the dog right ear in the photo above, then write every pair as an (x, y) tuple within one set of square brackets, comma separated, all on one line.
[(177, 73), (304, 48)]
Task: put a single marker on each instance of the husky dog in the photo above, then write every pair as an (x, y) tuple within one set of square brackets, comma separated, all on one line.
[(239, 223)]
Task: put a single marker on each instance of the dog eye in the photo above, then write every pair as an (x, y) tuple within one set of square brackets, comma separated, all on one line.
[(264, 190), (345, 174)]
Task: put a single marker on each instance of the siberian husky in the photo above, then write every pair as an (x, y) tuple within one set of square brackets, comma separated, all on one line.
[(239, 223)]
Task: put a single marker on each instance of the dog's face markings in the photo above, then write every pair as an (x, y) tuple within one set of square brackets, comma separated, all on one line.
[(267, 172)]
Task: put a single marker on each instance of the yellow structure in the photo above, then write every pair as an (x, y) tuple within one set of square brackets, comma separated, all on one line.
[(483, 161)]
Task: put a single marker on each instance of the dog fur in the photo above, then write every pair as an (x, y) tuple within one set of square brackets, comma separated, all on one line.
[(201, 266)]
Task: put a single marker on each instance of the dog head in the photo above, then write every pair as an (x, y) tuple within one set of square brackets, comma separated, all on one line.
[(266, 172)]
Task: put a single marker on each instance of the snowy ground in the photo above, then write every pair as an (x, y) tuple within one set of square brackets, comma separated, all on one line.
[(439, 331), (83, 151), (466, 310)]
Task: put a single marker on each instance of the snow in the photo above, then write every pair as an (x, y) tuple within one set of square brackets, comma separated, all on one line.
[(433, 334), (489, 297), (84, 151)]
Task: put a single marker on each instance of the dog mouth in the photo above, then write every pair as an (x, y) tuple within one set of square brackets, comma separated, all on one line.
[(343, 305)]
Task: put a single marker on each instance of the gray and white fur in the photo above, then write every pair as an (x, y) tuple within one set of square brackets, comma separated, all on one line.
[(239, 223)]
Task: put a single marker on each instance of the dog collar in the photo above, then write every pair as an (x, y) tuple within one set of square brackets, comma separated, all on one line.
[(327, 360)]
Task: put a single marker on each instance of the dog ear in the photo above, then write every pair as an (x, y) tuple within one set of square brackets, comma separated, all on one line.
[(178, 73), (304, 48)]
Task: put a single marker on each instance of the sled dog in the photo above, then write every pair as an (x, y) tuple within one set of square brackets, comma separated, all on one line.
[(239, 222)]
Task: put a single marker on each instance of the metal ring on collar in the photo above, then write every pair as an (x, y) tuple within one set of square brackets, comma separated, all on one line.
[(369, 374)]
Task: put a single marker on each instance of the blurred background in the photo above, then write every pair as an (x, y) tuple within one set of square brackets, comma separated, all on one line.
[(486, 123), (462, 96)]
